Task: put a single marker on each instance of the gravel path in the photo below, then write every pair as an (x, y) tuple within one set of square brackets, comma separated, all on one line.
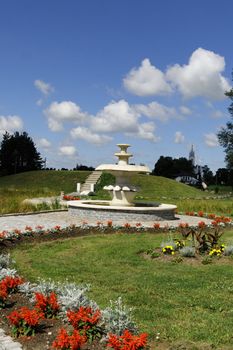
[(64, 219)]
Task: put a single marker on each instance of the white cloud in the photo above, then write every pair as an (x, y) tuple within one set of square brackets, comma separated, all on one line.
[(211, 140), (185, 110), (10, 123), (156, 110), (116, 117), (89, 136), (69, 151), (217, 114), (201, 76), (43, 87), (145, 131), (179, 137), (146, 80), (58, 113), (44, 143)]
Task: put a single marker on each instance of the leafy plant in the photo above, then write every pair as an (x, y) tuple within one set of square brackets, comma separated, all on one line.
[(86, 320), (24, 321), (127, 341), (117, 318), (228, 251), (4, 261), (48, 305), (65, 341), (187, 251)]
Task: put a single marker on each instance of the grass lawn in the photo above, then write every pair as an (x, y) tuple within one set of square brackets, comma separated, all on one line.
[(15, 188), (180, 301)]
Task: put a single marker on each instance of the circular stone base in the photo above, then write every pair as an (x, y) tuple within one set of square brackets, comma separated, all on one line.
[(98, 210)]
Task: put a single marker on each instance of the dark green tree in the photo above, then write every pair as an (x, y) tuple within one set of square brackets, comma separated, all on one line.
[(169, 167), (225, 135), (222, 177), (18, 153), (207, 175)]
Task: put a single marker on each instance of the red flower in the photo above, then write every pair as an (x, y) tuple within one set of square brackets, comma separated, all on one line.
[(24, 321), (84, 318), (127, 225), (127, 341), (156, 225), (200, 213), (65, 341), (109, 223), (48, 305), (11, 283), (183, 225), (3, 294), (201, 224), (138, 224)]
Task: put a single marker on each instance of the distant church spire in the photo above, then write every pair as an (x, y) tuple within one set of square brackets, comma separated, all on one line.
[(192, 156)]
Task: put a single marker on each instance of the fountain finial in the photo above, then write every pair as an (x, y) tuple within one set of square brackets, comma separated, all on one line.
[(123, 156)]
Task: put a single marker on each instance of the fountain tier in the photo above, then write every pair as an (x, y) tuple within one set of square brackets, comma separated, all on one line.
[(123, 192)]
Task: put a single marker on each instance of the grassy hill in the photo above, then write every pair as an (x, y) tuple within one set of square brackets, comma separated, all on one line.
[(15, 188)]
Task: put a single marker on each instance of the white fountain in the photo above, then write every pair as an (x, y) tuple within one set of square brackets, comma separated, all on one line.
[(121, 208)]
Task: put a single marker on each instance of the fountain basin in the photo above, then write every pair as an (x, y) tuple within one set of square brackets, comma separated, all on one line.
[(93, 211)]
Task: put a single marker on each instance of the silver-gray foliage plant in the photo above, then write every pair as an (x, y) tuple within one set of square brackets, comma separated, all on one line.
[(7, 272), (118, 318), (187, 251), (228, 250), (4, 261)]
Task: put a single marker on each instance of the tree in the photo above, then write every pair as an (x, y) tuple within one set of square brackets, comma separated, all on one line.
[(18, 153), (169, 167), (225, 135), (207, 175), (222, 176)]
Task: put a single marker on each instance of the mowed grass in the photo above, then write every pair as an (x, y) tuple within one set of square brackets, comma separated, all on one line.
[(180, 301), (15, 188)]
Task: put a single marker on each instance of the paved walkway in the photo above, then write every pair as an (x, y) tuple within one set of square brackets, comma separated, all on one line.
[(7, 343), (64, 219)]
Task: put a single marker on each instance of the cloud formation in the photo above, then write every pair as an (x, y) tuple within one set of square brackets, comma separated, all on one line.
[(211, 140), (179, 137), (66, 111), (43, 143), (69, 151), (146, 80), (202, 76), (43, 87), (86, 134), (10, 123), (155, 110), (116, 117)]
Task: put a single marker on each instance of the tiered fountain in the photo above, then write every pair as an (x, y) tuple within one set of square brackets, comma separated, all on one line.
[(121, 208)]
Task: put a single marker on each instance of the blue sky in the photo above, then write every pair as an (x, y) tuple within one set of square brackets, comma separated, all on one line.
[(81, 76)]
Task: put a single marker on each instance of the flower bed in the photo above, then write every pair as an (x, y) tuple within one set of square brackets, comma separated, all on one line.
[(62, 316)]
